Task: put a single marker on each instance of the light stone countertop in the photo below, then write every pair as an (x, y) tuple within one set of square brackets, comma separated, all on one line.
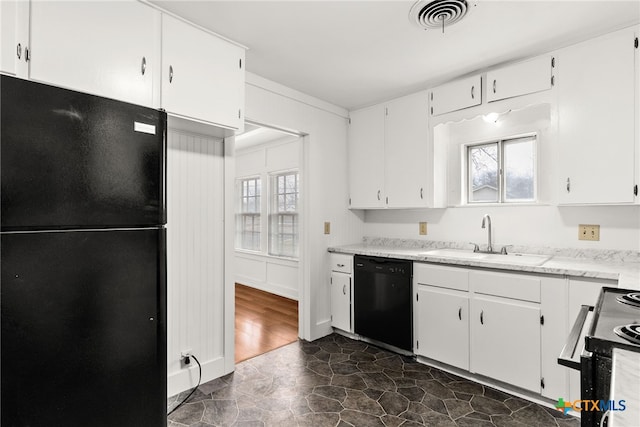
[(623, 266)]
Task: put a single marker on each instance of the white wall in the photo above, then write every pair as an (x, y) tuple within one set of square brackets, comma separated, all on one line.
[(325, 186), (195, 258), (257, 269), (550, 226)]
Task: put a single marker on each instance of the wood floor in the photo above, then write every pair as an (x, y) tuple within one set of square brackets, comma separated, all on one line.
[(263, 322)]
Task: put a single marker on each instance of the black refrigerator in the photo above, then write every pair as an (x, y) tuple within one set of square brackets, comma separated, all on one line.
[(83, 259)]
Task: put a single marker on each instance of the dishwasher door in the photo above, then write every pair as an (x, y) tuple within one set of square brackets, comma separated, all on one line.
[(382, 300)]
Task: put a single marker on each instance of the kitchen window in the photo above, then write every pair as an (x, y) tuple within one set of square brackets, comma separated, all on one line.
[(283, 214), (248, 218), (502, 171)]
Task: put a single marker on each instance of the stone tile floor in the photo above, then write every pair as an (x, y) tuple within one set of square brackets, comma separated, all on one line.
[(336, 381)]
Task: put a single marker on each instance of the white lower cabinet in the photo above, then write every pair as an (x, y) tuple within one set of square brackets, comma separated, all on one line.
[(505, 340), (510, 327), (341, 291), (442, 325)]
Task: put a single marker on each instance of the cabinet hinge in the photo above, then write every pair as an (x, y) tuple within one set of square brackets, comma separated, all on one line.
[(387, 199), (542, 382), (553, 62), (417, 297), (386, 111), (553, 80), (417, 344), (331, 280), (240, 63), (349, 201), (432, 96), (349, 120), (542, 320), (332, 317), (432, 111), (635, 43), (635, 190), (239, 113)]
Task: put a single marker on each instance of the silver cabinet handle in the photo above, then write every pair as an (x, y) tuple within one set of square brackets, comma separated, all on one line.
[(422, 193), (19, 50), (460, 313), (344, 289), (170, 73), (568, 185), (143, 66), (378, 194), (494, 86), (482, 317), (472, 94), (340, 265)]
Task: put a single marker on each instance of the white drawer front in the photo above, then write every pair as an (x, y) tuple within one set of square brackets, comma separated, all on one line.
[(342, 263), (441, 276), (517, 286)]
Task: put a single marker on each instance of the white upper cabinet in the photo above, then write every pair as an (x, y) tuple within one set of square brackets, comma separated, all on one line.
[(519, 79), (407, 155), (463, 93), (366, 157), (596, 119), (202, 75), (103, 48), (14, 37), (391, 156)]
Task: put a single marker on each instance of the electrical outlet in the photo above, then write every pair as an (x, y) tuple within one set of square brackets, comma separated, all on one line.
[(184, 354), (589, 232), (327, 228), (423, 228)]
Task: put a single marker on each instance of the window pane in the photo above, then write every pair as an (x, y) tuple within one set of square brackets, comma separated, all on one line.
[(483, 173), (519, 169), (283, 225), (248, 215)]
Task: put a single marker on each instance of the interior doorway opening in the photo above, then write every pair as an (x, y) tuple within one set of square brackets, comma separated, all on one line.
[(268, 250)]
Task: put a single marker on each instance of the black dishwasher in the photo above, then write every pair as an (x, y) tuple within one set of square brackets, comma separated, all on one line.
[(382, 300)]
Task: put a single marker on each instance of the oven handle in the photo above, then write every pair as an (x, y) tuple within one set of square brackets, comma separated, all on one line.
[(569, 349)]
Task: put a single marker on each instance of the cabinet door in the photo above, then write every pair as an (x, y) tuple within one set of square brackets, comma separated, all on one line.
[(102, 47), (442, 325), (596, 120), (366, 158), (202, 75), (554, 333), (341, 301), (14, 37), (407, 157), (505, 341), (519, 79), (456, 95)]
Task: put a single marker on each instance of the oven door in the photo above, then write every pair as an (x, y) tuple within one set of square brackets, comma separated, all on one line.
[(574, 356)]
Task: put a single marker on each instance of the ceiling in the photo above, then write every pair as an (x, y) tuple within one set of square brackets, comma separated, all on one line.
[(357, 53)]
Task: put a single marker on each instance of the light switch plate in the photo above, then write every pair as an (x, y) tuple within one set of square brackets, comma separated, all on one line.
[(423, 228), (327, 228), (589, 232)]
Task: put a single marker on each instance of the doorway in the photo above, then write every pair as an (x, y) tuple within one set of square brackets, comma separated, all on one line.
[(267, 239)]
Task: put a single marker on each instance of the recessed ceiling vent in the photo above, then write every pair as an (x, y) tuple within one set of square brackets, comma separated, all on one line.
[(439, 13)]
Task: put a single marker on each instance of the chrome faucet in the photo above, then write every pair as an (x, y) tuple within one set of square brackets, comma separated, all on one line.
[(487, 220)]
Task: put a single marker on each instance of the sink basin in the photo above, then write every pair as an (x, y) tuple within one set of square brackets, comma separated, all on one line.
[(516, 259), (455, 253)]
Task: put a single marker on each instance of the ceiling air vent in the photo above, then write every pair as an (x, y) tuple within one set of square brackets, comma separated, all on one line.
[(439, 13)]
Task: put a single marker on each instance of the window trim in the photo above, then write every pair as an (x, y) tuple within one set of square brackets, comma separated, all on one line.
[(501, 142)]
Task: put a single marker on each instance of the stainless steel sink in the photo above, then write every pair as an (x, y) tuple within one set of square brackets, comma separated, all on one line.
[(515, 259)]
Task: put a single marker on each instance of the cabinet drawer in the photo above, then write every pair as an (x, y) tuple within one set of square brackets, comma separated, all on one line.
[(522, 287), (441, 276), (341, 263)]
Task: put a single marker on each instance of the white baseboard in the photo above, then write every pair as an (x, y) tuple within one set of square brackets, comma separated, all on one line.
[(187, 378)]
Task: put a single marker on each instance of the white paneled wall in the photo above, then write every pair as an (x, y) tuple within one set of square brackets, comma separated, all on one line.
[(195, 257)]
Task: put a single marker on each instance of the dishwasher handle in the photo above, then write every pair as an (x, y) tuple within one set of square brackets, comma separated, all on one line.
[(569, 349)]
